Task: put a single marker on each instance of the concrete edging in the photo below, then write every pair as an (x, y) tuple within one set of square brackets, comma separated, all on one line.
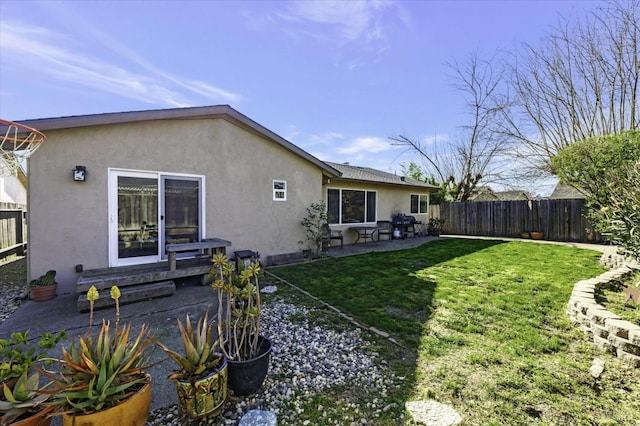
[(607, 330)]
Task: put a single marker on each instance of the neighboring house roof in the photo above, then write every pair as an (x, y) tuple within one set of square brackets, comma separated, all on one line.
[(566, 192), (366, 174), (214, 111), (485, 193), (514, 195)]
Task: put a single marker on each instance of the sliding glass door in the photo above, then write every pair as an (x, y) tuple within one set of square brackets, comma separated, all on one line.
[(149, 210)]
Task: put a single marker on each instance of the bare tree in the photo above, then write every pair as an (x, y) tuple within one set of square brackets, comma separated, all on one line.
[(582, 82), (477, 154)]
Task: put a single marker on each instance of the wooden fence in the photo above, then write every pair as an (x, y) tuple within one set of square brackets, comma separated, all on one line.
[(559, 220), (13, 235)]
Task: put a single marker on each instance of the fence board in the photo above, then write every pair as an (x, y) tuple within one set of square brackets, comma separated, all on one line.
[(559, 220), (12, 230)]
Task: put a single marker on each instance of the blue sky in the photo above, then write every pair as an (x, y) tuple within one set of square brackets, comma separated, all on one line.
[(337, 78)]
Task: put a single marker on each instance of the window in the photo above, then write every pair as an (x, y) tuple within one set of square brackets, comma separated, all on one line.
[(279, 190), (419, 203), (351, 206)]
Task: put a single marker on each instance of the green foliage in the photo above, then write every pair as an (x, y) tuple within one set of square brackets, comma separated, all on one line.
[(201, 355), (24, 399), (17, 354), (99, 372), (45, 280), (413, 171), (588, 164), (314, 222), (607, 169), (239, 308)]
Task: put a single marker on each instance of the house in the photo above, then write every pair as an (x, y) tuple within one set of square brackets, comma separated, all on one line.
[(485, 193), (113, 189), (13, 189), (566, 192)]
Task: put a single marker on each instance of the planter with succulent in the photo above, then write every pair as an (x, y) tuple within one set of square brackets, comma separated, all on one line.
[(239, 311), (201, 380), (103, 379), (434, 227), (26, 403), (17, 355), (44, 287)]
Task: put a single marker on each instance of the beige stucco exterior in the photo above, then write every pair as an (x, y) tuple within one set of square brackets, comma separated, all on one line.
[(391, 200), (69, 220)]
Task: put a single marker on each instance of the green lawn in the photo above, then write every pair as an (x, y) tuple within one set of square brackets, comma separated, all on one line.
[(485, 329)]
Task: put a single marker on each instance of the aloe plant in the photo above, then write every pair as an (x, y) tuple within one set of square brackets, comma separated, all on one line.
[(26, 398), (201, 350), (99, 372)]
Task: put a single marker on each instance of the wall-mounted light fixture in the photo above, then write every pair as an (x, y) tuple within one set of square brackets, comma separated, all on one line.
[(80, 174)]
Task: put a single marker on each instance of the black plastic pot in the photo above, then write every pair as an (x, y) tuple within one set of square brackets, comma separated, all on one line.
[(246, 377)]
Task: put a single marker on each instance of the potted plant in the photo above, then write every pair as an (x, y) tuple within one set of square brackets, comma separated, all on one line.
[(103, 379), (434, 227), (25, 404), (201, 380), (44, 287), (17, 355), (239, 311)]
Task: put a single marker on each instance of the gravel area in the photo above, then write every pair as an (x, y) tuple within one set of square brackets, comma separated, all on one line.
[(307, 361)]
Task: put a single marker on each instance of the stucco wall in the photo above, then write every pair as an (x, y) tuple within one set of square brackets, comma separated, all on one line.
[(69, 220), (391, 199)]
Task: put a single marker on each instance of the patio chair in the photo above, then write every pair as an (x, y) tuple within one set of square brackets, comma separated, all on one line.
[(329, 235), (384, 228)]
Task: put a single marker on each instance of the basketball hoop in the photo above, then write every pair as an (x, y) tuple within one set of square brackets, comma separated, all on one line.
[(17, 143)]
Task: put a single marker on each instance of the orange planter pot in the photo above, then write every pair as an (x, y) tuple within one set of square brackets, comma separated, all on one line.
[(132, 412), (38, 419), (42, 294), (537, 235)]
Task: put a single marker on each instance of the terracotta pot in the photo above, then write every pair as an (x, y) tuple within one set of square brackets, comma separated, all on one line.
[(43, 293), (205, 397), (132, 412), (37, 419), (537, 235)]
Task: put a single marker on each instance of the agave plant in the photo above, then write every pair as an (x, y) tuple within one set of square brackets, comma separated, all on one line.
[(239, 308), (24, 400), (201, 354)]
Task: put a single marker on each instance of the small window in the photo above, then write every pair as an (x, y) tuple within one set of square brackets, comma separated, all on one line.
[(419, 203), (279, 190)]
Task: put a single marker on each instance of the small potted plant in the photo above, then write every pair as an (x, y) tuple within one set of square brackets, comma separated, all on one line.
[(201, 380), (239, 312), (434, 227), (44, 287), (103, 379), (25, 404), (17, 355)]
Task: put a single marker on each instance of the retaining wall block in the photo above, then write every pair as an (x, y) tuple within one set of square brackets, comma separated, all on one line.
[(624, 345), (600, 316), (634, 334), (628, 358), (602, 344), (599, 331), (618, 327)]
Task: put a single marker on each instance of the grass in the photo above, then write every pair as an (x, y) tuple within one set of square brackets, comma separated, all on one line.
[(484, 327), (612, 297)]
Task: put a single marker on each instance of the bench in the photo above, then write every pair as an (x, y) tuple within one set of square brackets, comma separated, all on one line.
[(209, 245)]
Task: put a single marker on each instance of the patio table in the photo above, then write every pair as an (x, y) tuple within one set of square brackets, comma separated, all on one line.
[(365, 232)]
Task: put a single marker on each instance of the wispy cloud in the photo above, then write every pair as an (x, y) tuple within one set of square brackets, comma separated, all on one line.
[(363, 145), (358, 28), (60, 56)]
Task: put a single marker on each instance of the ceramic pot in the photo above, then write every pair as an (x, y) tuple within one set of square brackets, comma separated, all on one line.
[(37, 419), (133, 411), (205, 397), (536, 235), (246, 377), (43, 293)]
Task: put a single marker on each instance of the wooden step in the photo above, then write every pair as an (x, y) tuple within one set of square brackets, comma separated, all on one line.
[(129, 295)]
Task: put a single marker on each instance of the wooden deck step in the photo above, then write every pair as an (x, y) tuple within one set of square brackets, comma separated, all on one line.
[(135, 275), (129, 295)]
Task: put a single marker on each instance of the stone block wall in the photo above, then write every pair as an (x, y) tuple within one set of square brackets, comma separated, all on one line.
[(608, 331)]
